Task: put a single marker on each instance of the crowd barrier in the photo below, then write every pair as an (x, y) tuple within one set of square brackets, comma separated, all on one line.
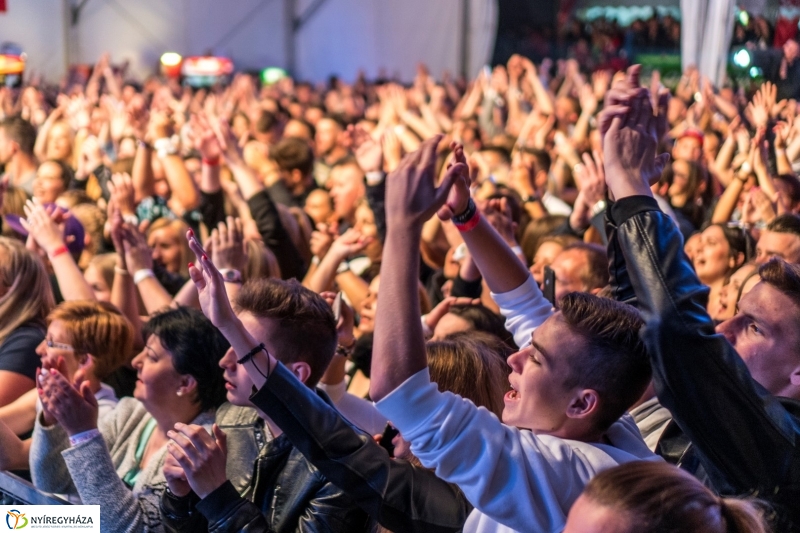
[(16, 491)]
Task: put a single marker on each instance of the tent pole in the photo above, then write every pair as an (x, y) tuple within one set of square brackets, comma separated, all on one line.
[(465, 39)]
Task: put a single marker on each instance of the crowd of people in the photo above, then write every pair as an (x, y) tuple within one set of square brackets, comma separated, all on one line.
[(519, 303)]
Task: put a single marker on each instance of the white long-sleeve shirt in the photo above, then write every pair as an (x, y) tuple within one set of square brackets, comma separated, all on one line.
[(517, 481)]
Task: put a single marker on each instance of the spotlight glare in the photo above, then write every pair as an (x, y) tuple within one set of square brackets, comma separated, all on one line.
[(171, 59), (742, 58)]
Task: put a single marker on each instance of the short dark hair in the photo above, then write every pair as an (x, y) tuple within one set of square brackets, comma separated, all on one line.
[(614, 361), (792, 184), (196, 346), (307, 328), (481, 318), (596, 274), (501, 151), (21, 132), (543, 160), (785, 224), (783, 276), (266, 121), (67, 174), (293, 154)]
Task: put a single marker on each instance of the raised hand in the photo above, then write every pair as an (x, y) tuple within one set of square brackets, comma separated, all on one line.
[(121, 189), (458, 196), (368, 151), (411, 195), (227, 245), (349, 243), (443, 307), (46, 228), (630, 132), (203, 137), (201, 456), (210, 285), (138, 255)]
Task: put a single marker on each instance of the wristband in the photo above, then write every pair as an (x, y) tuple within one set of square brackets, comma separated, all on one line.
[(120, 271), (374, 177), (83, 436), (470, 224), (214, 162), (166, 146), (467, 214), (598, 208), (58, 251), (231, 275), (315, 260), (344, 266), (131, 219), (142, 274), (345, 351), (249, 355)]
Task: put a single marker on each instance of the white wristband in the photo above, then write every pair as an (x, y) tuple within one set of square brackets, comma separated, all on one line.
[(374, 177), (142, 274), (83, 436)]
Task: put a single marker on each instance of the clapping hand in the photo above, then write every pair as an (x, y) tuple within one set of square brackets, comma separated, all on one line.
[(201, 456), (73, 406)]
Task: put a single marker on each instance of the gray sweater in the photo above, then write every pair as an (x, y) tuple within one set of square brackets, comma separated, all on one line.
[(96, 468)]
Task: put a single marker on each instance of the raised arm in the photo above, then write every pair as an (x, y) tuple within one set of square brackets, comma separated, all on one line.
[(411, 199), (692, 364)]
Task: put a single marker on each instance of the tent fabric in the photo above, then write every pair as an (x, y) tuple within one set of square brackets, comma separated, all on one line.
[(341, 37), (706, 31)]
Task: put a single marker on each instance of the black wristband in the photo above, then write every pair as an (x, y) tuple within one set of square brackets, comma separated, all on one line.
[(467, 215), (251, 353)]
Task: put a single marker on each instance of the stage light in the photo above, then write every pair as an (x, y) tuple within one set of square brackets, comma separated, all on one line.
[(742, 58), (272, 75), (744, 18), (756, 72), (171, 59)]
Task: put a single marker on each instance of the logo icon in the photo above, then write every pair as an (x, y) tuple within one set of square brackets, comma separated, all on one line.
[(20, 521)]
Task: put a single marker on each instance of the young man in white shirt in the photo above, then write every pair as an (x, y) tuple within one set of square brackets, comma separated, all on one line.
[(578, 372)]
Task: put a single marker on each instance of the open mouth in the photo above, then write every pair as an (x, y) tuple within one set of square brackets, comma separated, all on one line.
[(512, 395)]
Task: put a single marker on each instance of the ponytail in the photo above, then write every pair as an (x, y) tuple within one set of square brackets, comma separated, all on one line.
[(742, 516)]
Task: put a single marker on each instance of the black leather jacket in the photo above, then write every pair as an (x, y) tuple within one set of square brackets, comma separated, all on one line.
[(745, 439), (398, 495), (286, 494)]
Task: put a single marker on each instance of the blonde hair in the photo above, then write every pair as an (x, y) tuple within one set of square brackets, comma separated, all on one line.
[(29, 297), (657, 497), (13, 204), (261, 262), (180, 227), (471, 365), (105, 263), (99, 330), (93, 219)]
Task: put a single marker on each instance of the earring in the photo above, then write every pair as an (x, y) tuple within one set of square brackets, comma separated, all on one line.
[(179, 392)]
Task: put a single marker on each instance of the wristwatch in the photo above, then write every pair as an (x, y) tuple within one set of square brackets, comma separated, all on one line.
[(231, 275)]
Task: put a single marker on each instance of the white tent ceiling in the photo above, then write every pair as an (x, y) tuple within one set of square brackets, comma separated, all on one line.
[(339, 36)]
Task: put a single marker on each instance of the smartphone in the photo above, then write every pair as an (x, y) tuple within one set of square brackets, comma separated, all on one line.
[(337, 307), (386, 439), (549, 289)]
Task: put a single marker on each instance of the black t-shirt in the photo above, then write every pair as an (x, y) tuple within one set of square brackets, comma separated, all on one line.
[(18, 351)]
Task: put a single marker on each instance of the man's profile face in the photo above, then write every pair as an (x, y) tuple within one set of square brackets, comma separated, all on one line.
[(539, 400), (238, 384), (6, 147), (347, 188), (569, 267), (327, 137), (765, 334), (772, 244)]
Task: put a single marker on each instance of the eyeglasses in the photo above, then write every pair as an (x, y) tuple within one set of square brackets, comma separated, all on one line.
[(58, 345)]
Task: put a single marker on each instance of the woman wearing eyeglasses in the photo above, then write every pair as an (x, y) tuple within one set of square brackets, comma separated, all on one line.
[(25, 300), (116, 461), (85, 341)]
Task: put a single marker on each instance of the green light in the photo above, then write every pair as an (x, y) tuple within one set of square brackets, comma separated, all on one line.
[(272, 75)]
